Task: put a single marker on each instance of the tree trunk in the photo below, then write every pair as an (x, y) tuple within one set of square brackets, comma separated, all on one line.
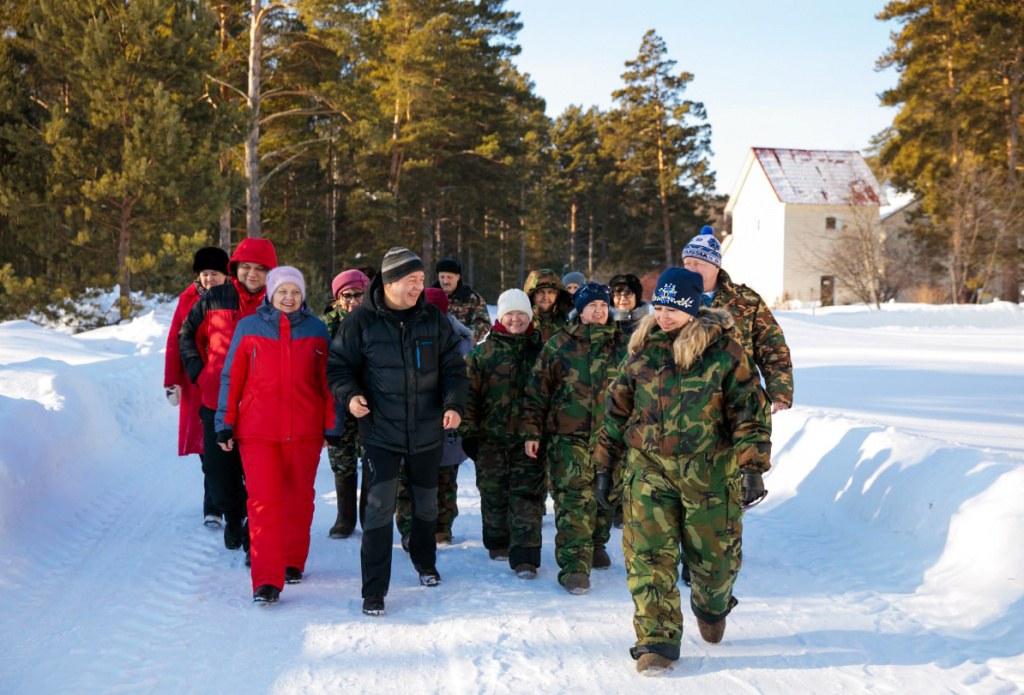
[(253, 225), (663, 197), (590, 246), (225, 228), (124, 244), (426, 238), (572, 234), (330, 210)]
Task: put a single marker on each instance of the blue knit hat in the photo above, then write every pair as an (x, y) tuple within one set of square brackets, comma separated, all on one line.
[(705, 247), (590, 292), (679, 288)]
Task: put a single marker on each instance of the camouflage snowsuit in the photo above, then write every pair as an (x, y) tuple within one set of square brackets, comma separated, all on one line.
[(684, 429), (565, 404), (760, 335), (344, 459), (554, 321), (511, 484)]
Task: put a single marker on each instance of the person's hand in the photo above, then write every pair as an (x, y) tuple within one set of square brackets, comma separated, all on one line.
[(173, 394), (333, 440), (602, 486), (451, 420), (225, 440), (779, 405), (358, 406), (532, 446), (752, 488), (471, 447)]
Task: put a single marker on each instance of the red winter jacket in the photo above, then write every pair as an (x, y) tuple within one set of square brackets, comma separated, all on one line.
[(190, 427), (274, 383), (218, 311)]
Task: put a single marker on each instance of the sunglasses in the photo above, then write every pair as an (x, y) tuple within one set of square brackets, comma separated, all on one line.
[(351, 296)]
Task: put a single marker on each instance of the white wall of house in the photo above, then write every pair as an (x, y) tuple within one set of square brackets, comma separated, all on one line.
[(756, 250)]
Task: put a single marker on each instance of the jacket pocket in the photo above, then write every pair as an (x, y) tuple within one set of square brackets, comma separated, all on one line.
[(426, 355)]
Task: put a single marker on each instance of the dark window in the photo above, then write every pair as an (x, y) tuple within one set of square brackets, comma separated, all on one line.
[(830, 223)]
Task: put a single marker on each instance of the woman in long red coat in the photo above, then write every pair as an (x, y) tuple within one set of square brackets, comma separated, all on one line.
[(211, 266), (274, 401)]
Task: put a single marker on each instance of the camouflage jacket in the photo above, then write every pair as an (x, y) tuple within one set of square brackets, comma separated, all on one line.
[(498, 371), (759, 334), (469, 308), (567, 388), (332, 317), (554, 321), (687, 393)]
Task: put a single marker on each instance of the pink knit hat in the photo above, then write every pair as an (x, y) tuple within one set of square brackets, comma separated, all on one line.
[(349, 280), (282, 274)]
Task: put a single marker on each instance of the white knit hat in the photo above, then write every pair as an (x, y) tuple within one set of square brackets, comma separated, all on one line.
[(282, 274), (514, 300)]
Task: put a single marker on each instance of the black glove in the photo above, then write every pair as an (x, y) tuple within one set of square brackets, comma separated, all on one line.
[(752, 488), (471, 447), (225, 436), (602, 486), (333, 440)]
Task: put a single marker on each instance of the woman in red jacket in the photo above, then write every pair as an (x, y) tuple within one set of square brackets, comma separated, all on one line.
[(211, 264), (274, 401)]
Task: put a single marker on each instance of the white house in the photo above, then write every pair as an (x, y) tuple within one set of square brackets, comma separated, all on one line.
[(786, 206)]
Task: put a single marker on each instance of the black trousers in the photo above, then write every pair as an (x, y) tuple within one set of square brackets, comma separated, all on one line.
[(224, 476), (380, 469)]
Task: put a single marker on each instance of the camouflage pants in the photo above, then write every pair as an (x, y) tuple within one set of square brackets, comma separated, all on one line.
[(579, 522), (345, 459), (672, 502), (512, 491), (447, 496)]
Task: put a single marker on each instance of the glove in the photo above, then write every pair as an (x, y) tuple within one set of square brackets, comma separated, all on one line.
[(225, 436), (471, 447), (333, 440), (602, 486), (752, 488)]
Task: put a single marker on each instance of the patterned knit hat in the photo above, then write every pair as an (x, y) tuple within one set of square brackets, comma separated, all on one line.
[(399, 262), (282, 274), (679, 288), (705, 247)]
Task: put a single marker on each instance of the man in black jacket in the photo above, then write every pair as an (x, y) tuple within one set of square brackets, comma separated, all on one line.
[(395, 364)]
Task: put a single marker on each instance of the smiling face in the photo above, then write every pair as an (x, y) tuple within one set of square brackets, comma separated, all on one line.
[(623, 298), (516, 322), (253, 276), (402, 294), (670, 319), (350, 298), (212, 278), (544, 298), (287, 298), (595, 312)]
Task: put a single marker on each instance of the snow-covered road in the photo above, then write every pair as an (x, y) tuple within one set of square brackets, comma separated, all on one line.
[(887, 558)]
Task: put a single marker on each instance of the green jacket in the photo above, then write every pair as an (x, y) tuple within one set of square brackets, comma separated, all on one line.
[(687, 393), (469, 307), (554, 321), (759, 334), (498, 370), (332, 317), (567, 388)]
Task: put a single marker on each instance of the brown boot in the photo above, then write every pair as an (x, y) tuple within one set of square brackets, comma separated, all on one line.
[(711, 632), (601, 561), (651, 664), (577, 583), (346, 523)]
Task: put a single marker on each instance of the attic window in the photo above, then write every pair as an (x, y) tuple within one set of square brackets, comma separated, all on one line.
[(831, 223)]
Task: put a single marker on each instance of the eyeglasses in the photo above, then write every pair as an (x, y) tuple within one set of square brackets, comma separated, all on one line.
[(351, 296), (622, 292)]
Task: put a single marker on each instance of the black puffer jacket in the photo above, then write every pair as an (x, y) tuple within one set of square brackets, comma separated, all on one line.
[(410, 372)]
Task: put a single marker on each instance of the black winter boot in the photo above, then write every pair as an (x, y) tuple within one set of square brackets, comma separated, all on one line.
[(266, 593), (346, 522), (233, 532)]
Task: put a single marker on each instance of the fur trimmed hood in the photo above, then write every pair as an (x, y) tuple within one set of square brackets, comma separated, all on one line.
[(691, 341)]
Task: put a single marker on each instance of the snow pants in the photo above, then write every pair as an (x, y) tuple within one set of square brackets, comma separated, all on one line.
[(223, 471), (579, 522), (380, 470), (512, 491), (668, 502), (279, 477)]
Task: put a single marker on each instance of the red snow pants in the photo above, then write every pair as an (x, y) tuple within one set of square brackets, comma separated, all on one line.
[(279, 478)]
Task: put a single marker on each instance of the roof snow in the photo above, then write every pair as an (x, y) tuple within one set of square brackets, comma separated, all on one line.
[(820, 177)]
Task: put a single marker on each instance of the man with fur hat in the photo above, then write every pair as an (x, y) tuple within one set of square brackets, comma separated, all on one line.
[(688, 426), (464, 303), (551, 303), (347, 288), (511, 484), (759, 333), (216, 314), (395, 365)]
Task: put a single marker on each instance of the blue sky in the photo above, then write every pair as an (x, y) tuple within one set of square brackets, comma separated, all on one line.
[(786, 73)]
